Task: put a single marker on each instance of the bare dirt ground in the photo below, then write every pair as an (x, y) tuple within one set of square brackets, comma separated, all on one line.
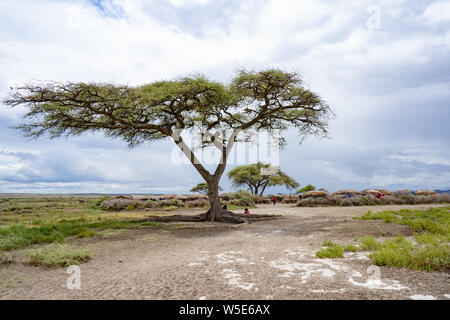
[(262, 260)]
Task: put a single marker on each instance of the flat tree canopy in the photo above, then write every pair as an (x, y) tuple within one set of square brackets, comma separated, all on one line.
[(269, 99), (305, 189), (257, 179), (202, 187)]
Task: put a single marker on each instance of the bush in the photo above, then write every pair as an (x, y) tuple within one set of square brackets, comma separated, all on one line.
[(317, 201), (350, 248), (400, 253), (334, 251), (386, 216), (370, 243), (200, 203), (244, 198), (58, 255), (119, 204)]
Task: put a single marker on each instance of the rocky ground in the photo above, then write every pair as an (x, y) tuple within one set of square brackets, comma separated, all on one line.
[(263, 260)]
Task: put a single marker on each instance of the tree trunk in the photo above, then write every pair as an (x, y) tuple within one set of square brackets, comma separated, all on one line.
[(215, 209)]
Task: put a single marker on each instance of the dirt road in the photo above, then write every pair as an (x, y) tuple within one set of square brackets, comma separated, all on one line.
[(263, 260)]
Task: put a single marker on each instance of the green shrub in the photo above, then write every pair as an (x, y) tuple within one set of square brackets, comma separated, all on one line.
[(99, 201), (429, 258), (386, 216), (58, 255), (244, 198), (350, 248), (335, 251), (370, 243), (327, 243)]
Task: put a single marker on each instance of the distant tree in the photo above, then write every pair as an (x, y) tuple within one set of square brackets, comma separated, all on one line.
[(261, 100), (323, 190), (202, 188), (258, 176), (307, 188)]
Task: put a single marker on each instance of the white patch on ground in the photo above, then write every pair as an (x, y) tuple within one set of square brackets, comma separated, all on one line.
[(307, 269), (202, 258), (378, 284), (230, 257), (287, 274), (285, 287), (375, 282), (194, 264), (447, 296), (327, 273), (300, 254), (287, 265), (235, 280), (422, 297), (202, 298), (329, 291), (356, 274), (333, 264), (276, 231), (356, 255)]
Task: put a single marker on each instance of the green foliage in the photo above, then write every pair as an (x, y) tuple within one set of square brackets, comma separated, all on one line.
[(386, 216), (58, 255), (244, 198), (334, 251), (400, 253), (434, 220), (350, 248), (202, 188), (327, 243), (99, 201), (432, 251), (307, 188), (369, 243), (257, 177)]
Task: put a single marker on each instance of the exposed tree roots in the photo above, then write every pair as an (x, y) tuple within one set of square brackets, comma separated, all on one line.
[(223, 216)]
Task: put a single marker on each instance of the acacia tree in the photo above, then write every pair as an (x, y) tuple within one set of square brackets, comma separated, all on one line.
[(202, 188), (269, 99), (305, 189), (257, 179)]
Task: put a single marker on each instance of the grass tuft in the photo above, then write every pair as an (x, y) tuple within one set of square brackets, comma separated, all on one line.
[(350, 248), (328, 243), (58, 255), (369, 243), (334, 251)]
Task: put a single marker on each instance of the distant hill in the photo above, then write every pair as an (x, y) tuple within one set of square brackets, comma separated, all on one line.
[(443, 191)]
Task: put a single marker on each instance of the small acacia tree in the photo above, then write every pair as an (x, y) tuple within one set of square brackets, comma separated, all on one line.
[(305, 189), (202, 188), (257, 179), (269, 100)]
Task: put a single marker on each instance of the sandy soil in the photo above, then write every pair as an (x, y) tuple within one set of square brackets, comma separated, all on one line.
[(262, 260)]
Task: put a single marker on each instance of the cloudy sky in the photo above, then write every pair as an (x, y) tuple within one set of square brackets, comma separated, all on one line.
[(383, 66)]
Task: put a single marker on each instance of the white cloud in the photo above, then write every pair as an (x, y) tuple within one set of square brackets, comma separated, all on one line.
[(188, 3), (437, 12)]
